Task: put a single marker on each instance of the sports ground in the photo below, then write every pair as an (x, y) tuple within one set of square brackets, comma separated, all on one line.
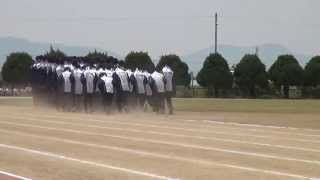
[(205, 139)]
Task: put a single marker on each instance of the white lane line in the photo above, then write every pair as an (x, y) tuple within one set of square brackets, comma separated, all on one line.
[(208, 122), (252, 125), (145, 153), (190, 130), (253, 130), (14, 176), (48, 154), (179, 135), (243, 153)]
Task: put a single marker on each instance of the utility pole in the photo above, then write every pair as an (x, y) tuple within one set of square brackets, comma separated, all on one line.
[(257, 51), (216, 34)]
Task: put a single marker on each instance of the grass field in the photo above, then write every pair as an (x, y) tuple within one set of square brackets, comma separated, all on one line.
[(205, 139)]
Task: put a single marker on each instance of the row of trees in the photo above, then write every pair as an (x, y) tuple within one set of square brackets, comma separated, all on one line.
[(250, 74), (16, 69)]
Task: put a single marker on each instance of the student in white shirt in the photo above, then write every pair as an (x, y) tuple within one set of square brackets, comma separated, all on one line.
[(90, 81), (158, 87), (169, 86), (140, 87), (79, 82), (67, 82), (123, 89), (106, 85)]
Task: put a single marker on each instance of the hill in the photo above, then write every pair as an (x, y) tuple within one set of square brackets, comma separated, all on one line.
[(11, 44)]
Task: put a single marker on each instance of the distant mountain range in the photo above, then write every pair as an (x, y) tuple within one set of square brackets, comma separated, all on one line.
[(11, 44), (267, 52)]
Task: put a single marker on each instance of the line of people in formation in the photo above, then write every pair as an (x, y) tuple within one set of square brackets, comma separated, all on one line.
[(73, 85)]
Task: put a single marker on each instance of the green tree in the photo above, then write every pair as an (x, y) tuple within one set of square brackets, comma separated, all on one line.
[(101, 57), (312, 72), (250, 74), (96, 56), (55, 54), (16, 69), (286, 71), (215, 74), (139, 60), (180, 69)]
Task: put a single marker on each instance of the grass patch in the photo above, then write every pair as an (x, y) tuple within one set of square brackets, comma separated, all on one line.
[(247, 105), (215, 105)]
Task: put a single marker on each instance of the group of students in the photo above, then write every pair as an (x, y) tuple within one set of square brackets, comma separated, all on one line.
[(76, 84)]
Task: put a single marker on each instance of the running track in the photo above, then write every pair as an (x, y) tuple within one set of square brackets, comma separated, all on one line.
[(51, 145)]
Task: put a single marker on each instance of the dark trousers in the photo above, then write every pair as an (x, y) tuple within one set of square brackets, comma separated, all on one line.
[(158, 101), (141, 100), (122, 101), (67, 102), (78, 102), (107, 102), (168, 99), (132, 100), (88, 103), (59, 100)]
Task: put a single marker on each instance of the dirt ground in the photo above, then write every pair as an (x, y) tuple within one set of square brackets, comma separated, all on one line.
[(45, 144)]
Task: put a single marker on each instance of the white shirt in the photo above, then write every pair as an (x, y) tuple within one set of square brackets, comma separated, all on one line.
[(59, 70), (77, 73), (107, 79), (168, 75), (89, 74), (148, 88), (123, 78), (140, 78), (130, 73), (99, 71), (67, 83), (158, 79)]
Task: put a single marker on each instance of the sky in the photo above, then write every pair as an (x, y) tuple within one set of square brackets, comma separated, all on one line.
[(164, 26)]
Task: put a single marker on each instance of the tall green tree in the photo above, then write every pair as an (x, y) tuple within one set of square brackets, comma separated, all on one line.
[(139, 60), (286, 71), (250, 74), (16, 69), (215, 74), (180, 69), (312, 72), (54, 54)]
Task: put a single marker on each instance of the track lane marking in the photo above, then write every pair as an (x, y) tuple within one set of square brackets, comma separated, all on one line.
[(58, 156), (178, 135), (208, 122), (186, 129), (173, 144), (14, 176), (196, 161)]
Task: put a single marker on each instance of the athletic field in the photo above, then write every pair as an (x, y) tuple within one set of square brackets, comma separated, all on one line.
[(205, 139)]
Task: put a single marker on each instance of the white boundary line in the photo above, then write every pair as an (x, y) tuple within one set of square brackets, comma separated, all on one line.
[(243, 153), (186, 129), (193, 120), (180, 135), (14, 176), (43, 153), (167, 156), (208, 122), (257, 125)]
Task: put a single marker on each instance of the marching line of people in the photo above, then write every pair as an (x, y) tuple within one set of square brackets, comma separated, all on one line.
[(76, 84)]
